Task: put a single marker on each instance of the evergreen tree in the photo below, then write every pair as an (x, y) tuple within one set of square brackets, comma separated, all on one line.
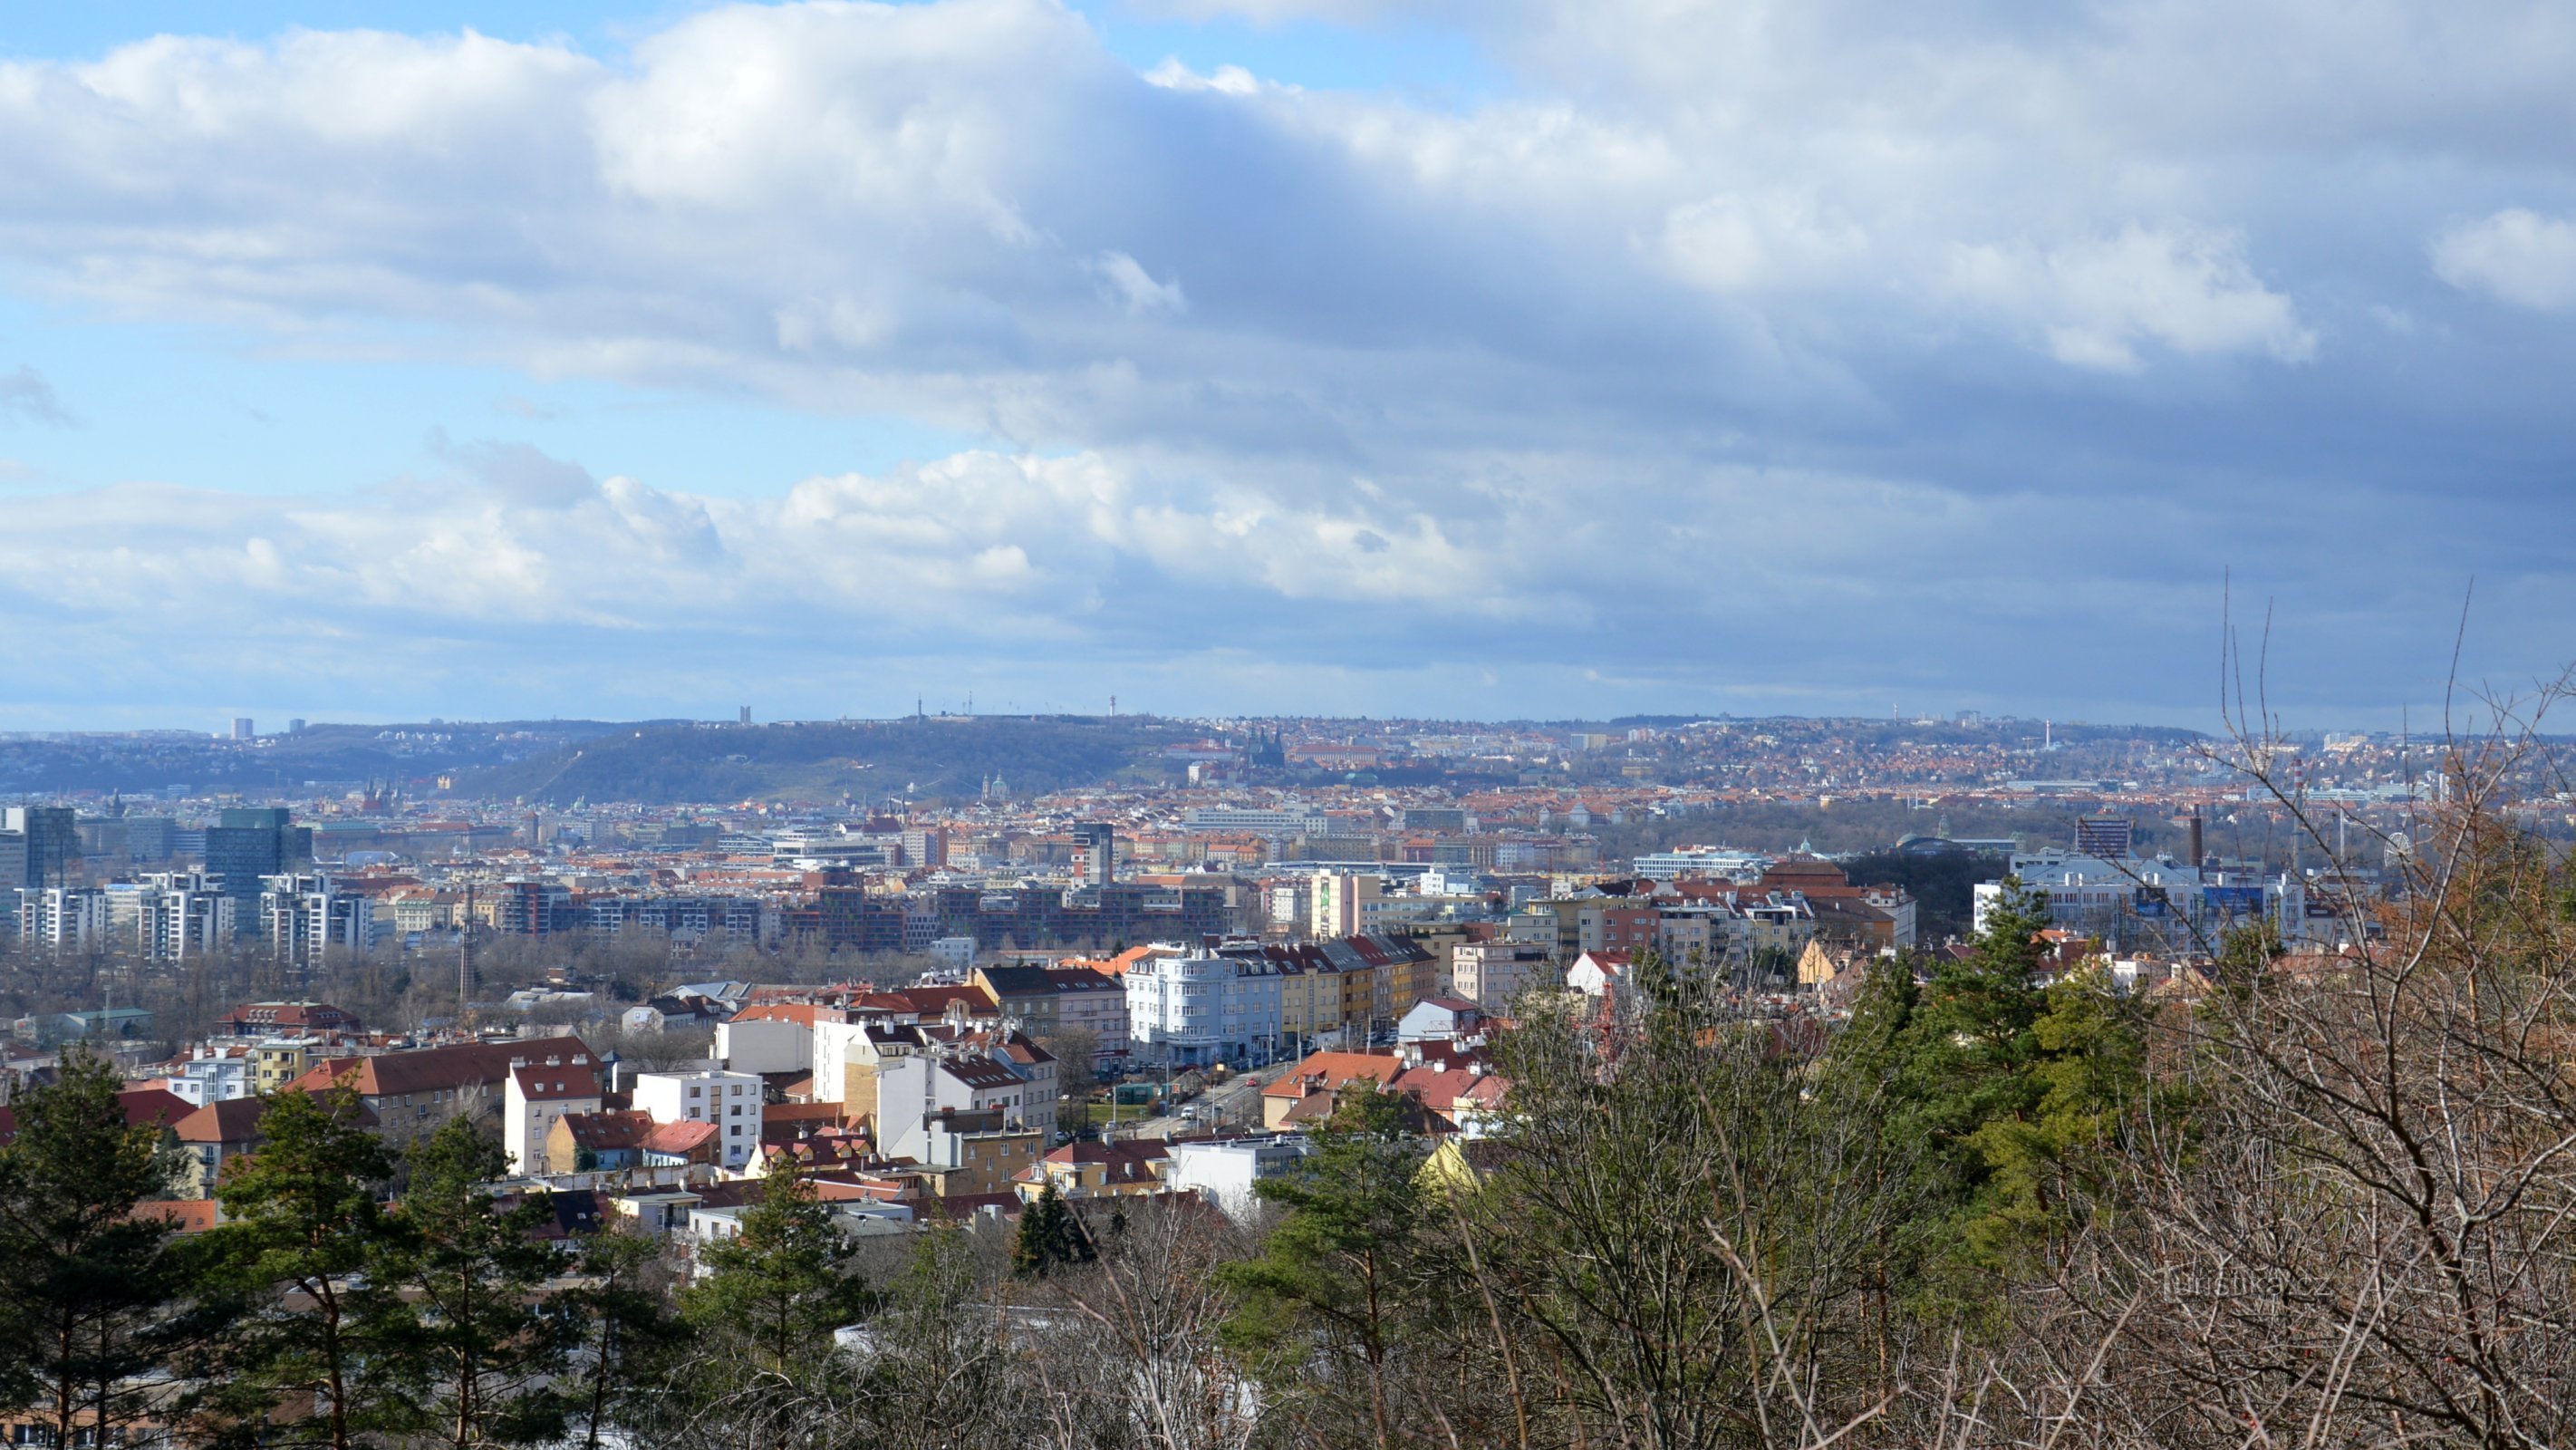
[(626, 1324), (479, 1359), (1049, 1237), (775, 1291), (1337, 1274), (87, 1289), (305, 1232)]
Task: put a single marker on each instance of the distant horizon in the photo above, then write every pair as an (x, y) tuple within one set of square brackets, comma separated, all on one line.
[(266, 726)]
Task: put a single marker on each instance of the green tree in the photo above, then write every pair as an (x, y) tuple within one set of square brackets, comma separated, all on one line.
[(479, 1359), (2041, 1163), (305, 1230), (775, 1291), (1049, 1237), (87, 1289), (1337, 1277), (628, 1329)]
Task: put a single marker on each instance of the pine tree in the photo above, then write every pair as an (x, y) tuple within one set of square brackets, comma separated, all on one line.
[(1049, 1238), (479, 1360), (87, 1288), (1336, 1275), (626, 1324), (305, 1231), (775, 1291)]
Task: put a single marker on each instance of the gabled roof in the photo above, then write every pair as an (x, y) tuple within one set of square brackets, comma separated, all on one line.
[(1329, 1070), (607, 1132), (234, 1120), (438, 1069), (561, 1083)]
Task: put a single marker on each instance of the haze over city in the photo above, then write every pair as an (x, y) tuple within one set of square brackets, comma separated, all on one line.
[(1510, 360)]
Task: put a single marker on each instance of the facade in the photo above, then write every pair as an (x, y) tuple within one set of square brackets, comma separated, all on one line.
[(538, 1094), (728, 1101), (1225, 1171), (304, 916), (1190, 1010), (62, 918), (179, 916), (1288, 822), (1097, 841), (48, 836)]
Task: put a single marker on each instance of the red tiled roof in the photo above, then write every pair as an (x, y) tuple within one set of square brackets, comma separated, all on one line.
[(439, 1069)]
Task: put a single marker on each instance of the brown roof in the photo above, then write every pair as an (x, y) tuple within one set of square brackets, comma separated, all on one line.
[(607, 1132), (235, 1120), (1329, 1070), (439, 1069), (681, 1137), (561, 1083)]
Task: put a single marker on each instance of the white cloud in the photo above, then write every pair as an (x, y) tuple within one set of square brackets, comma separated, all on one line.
[(1129, 281), (1706, 313), (2094, 303), (1735, 243), (2515, 256)]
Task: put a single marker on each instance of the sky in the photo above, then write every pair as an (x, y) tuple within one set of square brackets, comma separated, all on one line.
[(1452, 358)]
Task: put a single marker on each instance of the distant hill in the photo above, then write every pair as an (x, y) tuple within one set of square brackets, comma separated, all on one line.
[(940, 756), (407, 755)]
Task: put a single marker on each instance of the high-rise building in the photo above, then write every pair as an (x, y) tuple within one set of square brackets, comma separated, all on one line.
[(242, 728), (304, 917), (62, 917), (247, 844), (1098, 842), (2104, 838), (52, 842)]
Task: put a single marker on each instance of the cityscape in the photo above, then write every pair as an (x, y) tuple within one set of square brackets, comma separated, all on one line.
[(1287, 725)]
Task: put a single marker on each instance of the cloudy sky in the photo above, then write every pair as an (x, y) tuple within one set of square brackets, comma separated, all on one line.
[(1456, 357)]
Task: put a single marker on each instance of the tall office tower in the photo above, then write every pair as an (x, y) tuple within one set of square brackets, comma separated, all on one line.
[(242, 728), (2104, 838), (52, 837), (1098, 841), (248, 843)]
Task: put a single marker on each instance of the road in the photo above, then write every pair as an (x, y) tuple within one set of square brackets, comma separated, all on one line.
[(1233, 1108)]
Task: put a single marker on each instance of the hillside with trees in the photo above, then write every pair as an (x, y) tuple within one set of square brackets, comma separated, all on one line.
[(929, 758)]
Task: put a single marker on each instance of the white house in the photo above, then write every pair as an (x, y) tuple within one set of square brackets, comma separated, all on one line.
[(538, 1091), (730, 1100)]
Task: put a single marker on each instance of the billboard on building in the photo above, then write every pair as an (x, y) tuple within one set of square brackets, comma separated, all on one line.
[(2233, 901)]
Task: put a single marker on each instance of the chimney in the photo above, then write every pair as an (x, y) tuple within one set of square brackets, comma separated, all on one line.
[(2197, 857)]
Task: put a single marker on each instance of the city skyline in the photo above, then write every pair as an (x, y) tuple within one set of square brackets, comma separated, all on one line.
[(1524, 360)]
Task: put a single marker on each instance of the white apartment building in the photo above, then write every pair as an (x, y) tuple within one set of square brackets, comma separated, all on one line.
[(179, 917), (730, 1100), (302, 917), (912, 1088), (536, 1093), (765, 1044), (1225, 1171), (1284, 821), (64, 918), (212, 1075), (2141, 900), (1191, 1009)]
